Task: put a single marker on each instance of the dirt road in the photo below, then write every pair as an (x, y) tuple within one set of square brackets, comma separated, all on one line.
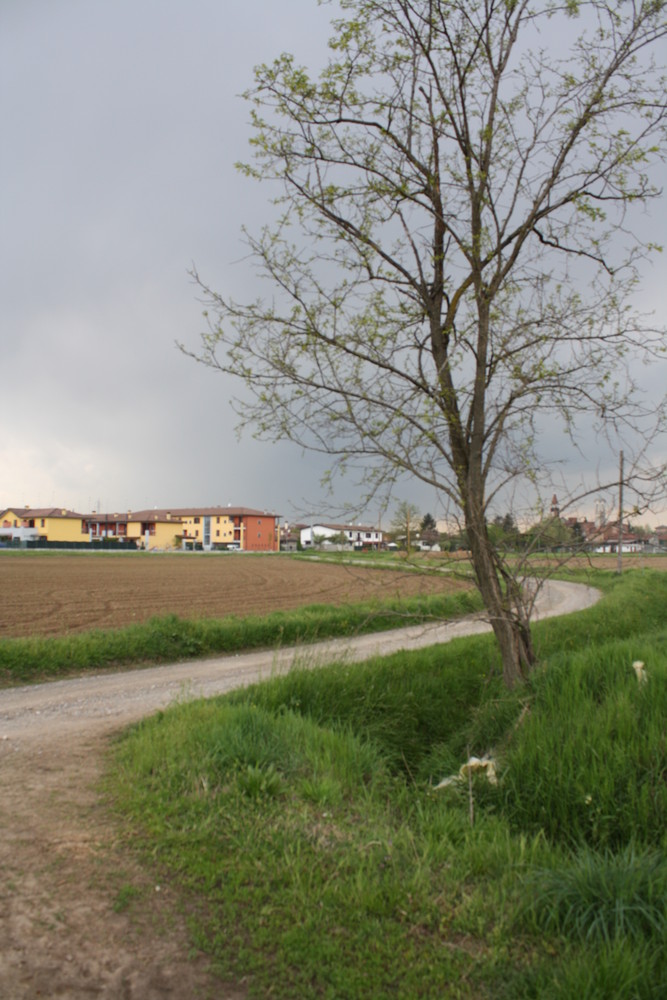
[(79, 920)]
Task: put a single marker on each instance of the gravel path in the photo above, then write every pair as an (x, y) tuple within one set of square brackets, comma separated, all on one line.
[(103, 702), (64, 931)]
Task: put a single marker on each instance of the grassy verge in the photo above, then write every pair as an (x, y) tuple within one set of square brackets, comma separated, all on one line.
[(170, 638), (301, 822)]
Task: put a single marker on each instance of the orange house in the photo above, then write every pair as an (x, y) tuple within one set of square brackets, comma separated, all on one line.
[(255, 530)]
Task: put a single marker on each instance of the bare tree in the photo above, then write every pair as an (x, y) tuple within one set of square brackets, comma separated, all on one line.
[(453, 255), (405, 522)]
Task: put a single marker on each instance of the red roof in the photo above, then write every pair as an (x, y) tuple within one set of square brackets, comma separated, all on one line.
[(27, 512), (179, 513)]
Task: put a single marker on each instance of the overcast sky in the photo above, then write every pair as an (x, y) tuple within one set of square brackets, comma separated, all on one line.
[(121, 123)]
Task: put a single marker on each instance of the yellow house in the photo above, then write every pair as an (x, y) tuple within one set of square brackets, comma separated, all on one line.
[(227, 527), (55, 523), (183, 528), (147, 529), (206, 526)]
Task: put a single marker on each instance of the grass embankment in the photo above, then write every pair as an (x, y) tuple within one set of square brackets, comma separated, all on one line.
[(300, 820), (170, 638)]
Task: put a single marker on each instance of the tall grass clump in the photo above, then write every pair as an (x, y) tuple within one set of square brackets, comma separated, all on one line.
[(622, 970), (602, 896), (607, 912), (589, 761)]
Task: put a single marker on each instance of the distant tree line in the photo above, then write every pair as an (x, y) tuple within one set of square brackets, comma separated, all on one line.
[(547, 534)]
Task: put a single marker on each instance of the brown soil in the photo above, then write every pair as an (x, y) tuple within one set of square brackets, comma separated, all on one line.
[(65, 877), (52, 594)]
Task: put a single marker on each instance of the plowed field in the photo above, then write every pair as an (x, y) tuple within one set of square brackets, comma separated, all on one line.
[(53, 594)]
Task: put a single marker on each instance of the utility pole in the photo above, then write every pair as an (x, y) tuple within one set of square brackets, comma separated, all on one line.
[(619, 567)]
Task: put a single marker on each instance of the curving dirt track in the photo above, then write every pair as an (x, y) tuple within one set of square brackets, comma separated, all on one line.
[(79, 919)]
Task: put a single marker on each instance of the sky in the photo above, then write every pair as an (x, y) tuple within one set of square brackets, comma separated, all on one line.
[(121, 123)]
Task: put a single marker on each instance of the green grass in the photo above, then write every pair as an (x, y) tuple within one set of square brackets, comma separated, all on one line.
[(300, 822), (170, 638), (603, 896)]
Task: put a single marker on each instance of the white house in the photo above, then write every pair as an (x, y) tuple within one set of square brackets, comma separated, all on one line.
[(609, 540), (18, 534), (629, 545), (357, 536)]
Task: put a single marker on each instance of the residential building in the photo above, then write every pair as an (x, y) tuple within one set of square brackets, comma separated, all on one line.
[(143, 529), (603, 537), (204, 528), (359, 536), (660, 536), (43, 522), (290, 537), (243, 528), (607, 539)]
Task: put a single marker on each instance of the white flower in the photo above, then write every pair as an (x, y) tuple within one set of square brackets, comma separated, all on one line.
[(640, 672), (486, 765)]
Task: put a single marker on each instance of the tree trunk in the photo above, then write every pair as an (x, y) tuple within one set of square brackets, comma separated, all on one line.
[(505, 609), (516, 645)]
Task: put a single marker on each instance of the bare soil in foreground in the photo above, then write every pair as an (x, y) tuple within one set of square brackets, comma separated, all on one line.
[(80, 918), (57, 593)]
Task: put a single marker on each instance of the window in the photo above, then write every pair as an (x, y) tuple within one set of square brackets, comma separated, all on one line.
[(196, 520), (41, 523)]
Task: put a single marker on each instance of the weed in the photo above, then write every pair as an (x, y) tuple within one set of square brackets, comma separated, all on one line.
[(125, 897), (259, 782)]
